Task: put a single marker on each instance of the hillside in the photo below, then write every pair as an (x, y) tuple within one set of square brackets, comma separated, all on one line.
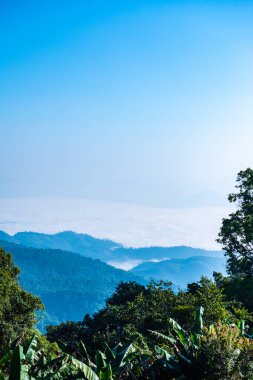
[(69, 284), (105, 250), (181, 271), (83, 244)]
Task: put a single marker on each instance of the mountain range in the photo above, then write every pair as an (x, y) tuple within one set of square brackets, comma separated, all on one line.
[(102, 249), (181, 271), (70, 271), (83, 244), (70, 285)]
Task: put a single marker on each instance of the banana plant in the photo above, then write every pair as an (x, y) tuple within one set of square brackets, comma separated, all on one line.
[(25, 363), (177, 359), (119, 362), (185, 347), (19, 359)]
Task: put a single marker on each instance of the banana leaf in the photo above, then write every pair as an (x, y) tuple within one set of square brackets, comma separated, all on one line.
[(88, 373), (18, 370), (199, 319), (164, 337), (129, 350), (165, 354), (29, 349), (100, 361), (106, 373), (181, 333), (110, 355)]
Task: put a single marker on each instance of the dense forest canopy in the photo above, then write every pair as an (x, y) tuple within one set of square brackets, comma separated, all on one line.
[(70, 285)]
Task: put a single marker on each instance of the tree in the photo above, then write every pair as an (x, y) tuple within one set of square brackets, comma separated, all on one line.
[(238, 292), (129, 319), (210, 296), (17, 307), (125, 292), (128, 314), (236, 233)]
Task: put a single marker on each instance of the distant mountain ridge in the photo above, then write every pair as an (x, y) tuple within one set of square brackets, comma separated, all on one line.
[(83, 244), (181, 271), (161, 253), (103, 249), (70, 285)]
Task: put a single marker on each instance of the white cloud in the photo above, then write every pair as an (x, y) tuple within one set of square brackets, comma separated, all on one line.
[(130, 224)]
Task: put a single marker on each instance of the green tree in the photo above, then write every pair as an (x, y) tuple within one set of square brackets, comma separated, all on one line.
[(236, 233), (129, 319), (17, 307), (209, 295), (125, 292), (127, 316), (238, 291)]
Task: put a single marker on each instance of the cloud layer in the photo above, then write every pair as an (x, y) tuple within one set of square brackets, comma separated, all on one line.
[(129, 224)]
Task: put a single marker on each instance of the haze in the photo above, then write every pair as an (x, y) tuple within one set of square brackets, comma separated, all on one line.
[(141, 102)]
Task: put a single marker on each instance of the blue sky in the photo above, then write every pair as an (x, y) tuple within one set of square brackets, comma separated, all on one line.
[(148, 102)]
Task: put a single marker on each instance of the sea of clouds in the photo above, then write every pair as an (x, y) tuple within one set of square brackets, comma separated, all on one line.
[(129, 224)]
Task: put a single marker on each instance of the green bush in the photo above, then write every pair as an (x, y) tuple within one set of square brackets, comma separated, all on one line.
[(225, 354)]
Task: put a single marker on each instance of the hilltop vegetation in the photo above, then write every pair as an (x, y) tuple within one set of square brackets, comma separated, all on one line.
[(17, 306), (140, 322), (148, 343)]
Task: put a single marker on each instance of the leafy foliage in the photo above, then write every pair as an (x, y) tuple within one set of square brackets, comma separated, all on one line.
[(134, 309), (220, 352), (226, 354), (238, 291), (236, 234), (17, 307)]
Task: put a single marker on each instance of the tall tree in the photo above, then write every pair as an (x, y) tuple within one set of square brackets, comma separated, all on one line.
[(17, 307), (236, 233)]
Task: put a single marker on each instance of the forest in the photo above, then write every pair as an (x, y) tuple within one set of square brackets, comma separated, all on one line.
[(144, 331), (67, 279)]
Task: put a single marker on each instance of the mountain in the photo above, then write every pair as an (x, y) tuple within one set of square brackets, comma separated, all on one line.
[(64, 270), (67, 241), (6, 237), (70, 285), (105, 250), (161, 253), (181, 271)]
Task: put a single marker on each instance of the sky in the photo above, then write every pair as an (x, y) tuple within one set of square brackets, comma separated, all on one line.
[(135, 102)]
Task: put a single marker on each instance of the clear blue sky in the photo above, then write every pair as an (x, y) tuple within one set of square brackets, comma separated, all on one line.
[(135, 101)]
